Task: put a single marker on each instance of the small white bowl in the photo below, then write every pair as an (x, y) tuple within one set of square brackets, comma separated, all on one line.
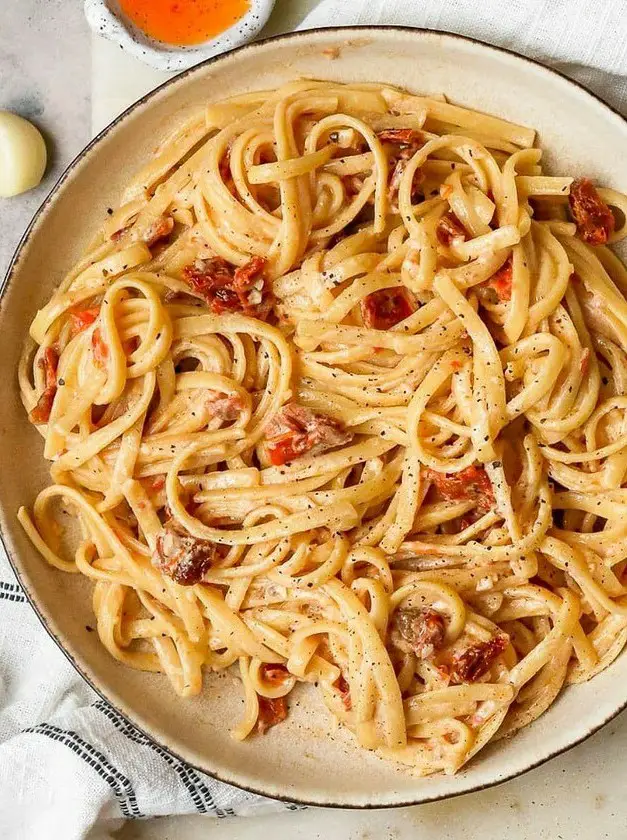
[(106, 18)]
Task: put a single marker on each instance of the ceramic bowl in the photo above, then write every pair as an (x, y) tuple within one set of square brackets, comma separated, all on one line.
[(105, 18), (306, 759)]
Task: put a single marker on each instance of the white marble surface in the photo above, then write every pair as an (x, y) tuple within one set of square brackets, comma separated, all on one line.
[(45, 75)]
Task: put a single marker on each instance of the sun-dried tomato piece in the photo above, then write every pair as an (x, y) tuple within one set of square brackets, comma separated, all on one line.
[(385, 308), (48, 363), (224, 406), (181, 556), (472, 663), (344, 690), (159, 229), (252, 287), (131, 344), (402, 137), (284, 449), (295, 430), (396, 176), (271, 711), (81, 319), (100, 348), (584, 364), (225, 165), (274, 673), (352, 184), (407, 141), (595, 221), (501, 281), (468, 519), (472, 483), (41, 412), (450, 228), (156, 483), (205, 276), (162, 227), (226, 289), (418, 631), (118, 234)]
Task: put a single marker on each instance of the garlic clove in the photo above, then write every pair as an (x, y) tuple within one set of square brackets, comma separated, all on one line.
[(22, 155)]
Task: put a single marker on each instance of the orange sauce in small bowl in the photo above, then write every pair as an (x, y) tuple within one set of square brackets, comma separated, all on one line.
[(184, 22)]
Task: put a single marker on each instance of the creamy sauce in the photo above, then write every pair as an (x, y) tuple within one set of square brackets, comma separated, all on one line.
[(184, 22)]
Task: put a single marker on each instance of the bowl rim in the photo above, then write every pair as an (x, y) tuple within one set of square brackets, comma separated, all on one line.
[(14, 561)]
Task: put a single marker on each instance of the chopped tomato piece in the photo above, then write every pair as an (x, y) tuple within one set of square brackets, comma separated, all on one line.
[(594, 219), (344, 691), (501, 281), (100, 348), (159, 229), (383, 309), (225, 165), (476, 660), (471, 483), (402, 137), (271, 712), (418, 631), (227, 289), (584, 364), (450, 228), (48, 363), (284, 449), (408, 141), (118, 234), (224, 406), (181, 556), (248, 278), (466, 522), (157, 483), (207, 276), (274, 673), (296, 430), (130, 345), (396, 177), (82, 318), (225, 171), (352, 186)]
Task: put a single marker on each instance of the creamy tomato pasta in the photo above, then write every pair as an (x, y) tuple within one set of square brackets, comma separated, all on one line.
[(338, 395)]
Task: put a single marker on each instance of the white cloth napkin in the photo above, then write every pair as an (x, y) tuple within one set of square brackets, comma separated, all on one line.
[(69, 765), (585, 39), (68, 761)]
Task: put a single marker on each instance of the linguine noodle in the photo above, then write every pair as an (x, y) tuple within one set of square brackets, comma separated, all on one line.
[(338, 395)]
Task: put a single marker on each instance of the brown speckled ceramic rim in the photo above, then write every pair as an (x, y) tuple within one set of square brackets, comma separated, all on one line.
[(38, 217)]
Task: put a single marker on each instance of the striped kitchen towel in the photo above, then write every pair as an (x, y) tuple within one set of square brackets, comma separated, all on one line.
[(68, 761)]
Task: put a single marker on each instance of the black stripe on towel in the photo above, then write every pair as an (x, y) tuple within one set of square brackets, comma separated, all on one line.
[(197, 789), (11, 592), (119, 784)]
